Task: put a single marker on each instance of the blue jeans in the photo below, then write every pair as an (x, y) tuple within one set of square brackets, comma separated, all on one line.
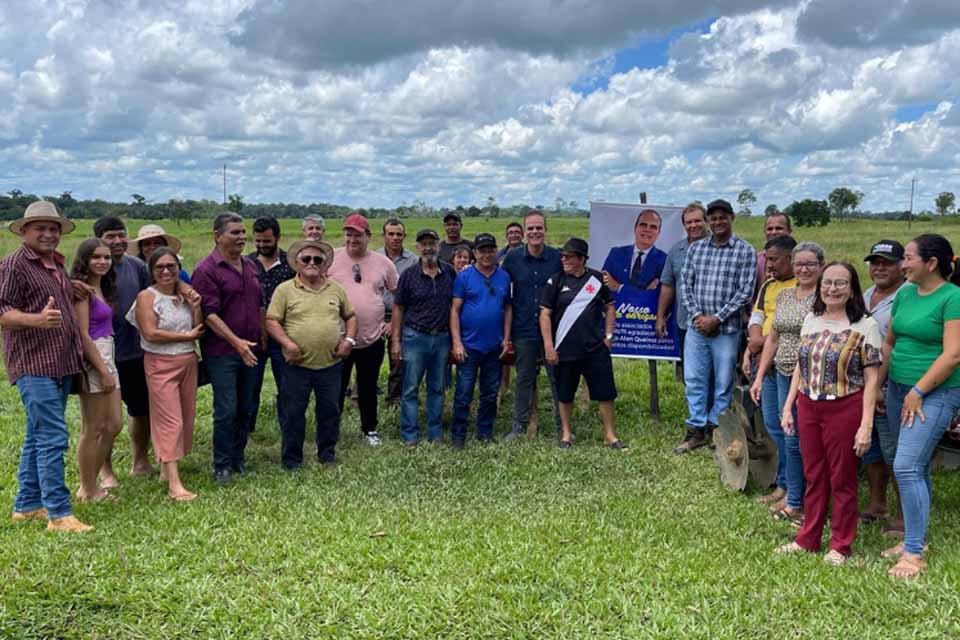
[(41, 475), (234, 384), (772, 409), (277, 364), (486, 368), (796, 481), (423, 355), (527, 353), (704, 358), (915, 449), (298, 383)]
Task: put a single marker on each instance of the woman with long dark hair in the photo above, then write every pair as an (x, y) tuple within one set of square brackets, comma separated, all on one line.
[(922, 351), (169, 323), (835, 388), (100, 414)]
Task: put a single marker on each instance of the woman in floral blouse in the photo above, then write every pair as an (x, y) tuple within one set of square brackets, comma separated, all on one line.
[(835, 388)]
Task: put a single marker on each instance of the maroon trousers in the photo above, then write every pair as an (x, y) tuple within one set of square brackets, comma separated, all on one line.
[(826, 429)]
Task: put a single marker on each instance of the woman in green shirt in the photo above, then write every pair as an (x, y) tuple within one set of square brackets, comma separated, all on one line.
[(922, 352)]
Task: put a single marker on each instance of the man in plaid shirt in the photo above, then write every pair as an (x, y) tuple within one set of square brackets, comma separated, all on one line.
[(718, 279)]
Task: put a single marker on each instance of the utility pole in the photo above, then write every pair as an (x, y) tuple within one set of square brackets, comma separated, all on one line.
[(913, 186)]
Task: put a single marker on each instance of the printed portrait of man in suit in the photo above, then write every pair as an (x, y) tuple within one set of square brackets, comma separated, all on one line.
[(637, 265)]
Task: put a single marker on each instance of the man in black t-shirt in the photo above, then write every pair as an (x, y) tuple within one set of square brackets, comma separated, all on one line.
[(577, 321), (452, 224)]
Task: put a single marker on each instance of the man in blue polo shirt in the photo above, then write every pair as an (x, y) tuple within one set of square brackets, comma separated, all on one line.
[(480, 321), (529, 268)]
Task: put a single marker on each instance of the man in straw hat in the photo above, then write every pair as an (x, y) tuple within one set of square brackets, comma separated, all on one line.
[(41, 351), (151, 237), (304, 318)]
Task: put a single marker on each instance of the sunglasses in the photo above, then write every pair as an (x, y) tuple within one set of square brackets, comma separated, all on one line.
[(357, 276), (166, 267), (317, 260)]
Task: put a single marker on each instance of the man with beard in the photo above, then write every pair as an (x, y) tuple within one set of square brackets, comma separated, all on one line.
[(394, 233), (233, 310), (273, 269), (420, 340)]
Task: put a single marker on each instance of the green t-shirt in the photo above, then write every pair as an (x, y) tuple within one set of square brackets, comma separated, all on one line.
[(918, 325)]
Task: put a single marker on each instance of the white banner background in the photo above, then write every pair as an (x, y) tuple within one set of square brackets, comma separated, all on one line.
[(611, 225)]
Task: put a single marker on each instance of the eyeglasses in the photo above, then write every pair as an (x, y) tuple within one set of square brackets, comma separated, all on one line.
[(317, 260), (166, 267), (836, 284), (806, 265), (569, 256), (357, 276)]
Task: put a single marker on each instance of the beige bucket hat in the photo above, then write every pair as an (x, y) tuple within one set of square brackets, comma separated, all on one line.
[(300, 245), (41, 210), (148, 231)]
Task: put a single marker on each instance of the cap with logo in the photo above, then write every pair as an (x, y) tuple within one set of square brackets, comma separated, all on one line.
[(484, 240), (427, 233), (887, 249), (721, 204)]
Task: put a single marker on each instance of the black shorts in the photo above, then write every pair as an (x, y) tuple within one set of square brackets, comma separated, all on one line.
[(133, 387), (596, 367)]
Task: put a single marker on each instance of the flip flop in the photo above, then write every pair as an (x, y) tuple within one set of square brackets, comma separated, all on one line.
[(794, 519), (868, 518), (184, 497), (893, 531), (618, 444), (566, 444)]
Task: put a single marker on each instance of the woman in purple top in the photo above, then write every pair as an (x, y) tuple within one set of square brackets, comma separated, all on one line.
[(99, 387)]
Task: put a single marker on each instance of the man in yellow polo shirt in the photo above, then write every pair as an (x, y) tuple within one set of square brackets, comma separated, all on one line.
[(779, 263), (304, 318)]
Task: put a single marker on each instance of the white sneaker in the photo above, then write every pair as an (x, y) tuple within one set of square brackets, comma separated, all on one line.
[(373, 439)]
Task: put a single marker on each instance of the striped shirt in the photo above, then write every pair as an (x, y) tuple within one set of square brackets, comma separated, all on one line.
[(718, 280), (26, 285)]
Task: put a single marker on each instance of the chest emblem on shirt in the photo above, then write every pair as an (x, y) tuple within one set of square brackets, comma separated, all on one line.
[(564, 289), (590, 288)]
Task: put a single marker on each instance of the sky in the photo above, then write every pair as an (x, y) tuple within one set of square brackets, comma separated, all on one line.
[(450, 102)]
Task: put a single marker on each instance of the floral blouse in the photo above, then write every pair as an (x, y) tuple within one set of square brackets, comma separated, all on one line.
[(787, 320), (833, 355)]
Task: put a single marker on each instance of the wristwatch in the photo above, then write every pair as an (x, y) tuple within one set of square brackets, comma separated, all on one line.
[(352, 341), (609, 336)]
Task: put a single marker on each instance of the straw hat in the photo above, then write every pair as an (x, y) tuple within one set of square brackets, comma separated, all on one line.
[(300, 245), (41, 210), (149, 231)]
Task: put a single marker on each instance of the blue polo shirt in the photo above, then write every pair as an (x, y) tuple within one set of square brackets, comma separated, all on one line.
[(484, 300), (529, 274)]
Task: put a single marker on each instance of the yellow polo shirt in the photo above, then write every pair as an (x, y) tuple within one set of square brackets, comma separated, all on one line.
[(767, 299), (311, 318)]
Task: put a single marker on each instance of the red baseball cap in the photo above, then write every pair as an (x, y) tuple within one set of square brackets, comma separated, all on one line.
[(356, 222)]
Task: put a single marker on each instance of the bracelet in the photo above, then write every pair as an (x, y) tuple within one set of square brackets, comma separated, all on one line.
[(917, 391)]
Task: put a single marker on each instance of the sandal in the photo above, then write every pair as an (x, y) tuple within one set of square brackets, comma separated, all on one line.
[(908, 566), (795, 518), (770, 498), (893, 530), (184, 497), (897, 550), (866, 517), (835, 558), (566, 444), (618, 444), (790, 547)]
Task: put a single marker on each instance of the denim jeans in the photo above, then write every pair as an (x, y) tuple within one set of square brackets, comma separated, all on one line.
[(796, 482), (423, 355), (233, 388), (527, 354), (915, 449), (704, 358), (772, 411), (41, 475), (298, 383), (486, 368), (277, 364)]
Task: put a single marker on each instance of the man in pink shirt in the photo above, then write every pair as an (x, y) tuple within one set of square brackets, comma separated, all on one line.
[(365, 275)]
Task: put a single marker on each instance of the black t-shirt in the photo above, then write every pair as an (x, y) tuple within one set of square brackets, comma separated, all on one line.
[(588, 330)]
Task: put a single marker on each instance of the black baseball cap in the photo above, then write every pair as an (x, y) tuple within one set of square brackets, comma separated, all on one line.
[(452, 216), (578, 246), (721, 204), (427, 233), (887, 249), (484, 240)]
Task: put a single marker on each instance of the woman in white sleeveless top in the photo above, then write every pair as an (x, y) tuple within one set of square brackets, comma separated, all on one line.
[(169, 325)]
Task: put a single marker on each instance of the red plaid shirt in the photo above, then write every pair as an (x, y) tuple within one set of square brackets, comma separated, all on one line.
[(26, 285)]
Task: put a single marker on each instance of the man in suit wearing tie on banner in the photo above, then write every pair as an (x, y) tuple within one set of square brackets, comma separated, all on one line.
[(636, 266)]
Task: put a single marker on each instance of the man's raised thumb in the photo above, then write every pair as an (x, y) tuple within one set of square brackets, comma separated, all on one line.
[(51, 303)]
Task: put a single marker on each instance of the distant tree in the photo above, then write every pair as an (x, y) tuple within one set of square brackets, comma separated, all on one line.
[(809, 213), (844, 201), (235, 202), (770, 210), (15, 193), (66, 200), (745, 198), (138, 200), (572, 204), (945, 203), (474, 212), (179, 211), (559, 204)]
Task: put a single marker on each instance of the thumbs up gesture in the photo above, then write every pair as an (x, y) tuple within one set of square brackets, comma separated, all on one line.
[(50, 317)]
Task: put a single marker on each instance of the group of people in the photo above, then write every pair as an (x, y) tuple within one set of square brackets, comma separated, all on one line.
[(123, 325), (842, 377)]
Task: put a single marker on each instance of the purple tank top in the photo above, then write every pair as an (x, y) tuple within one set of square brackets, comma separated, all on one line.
[(101, 319)]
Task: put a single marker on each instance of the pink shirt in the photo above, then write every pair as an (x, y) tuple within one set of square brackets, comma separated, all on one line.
[(377, 274)]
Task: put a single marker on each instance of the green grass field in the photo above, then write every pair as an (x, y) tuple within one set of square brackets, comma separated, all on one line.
[(501, 541)]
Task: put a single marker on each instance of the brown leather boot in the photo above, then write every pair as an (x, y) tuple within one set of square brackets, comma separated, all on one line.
[(68, 523), (23, 516)]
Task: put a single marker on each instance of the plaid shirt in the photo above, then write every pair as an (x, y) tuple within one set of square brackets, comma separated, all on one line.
[(718, 280), (26, 285)]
